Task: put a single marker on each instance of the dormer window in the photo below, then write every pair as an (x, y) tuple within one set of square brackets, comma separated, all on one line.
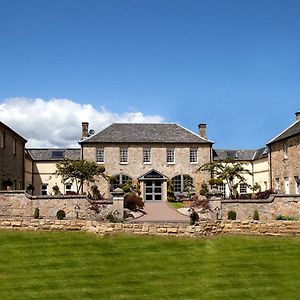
[(285, 149)]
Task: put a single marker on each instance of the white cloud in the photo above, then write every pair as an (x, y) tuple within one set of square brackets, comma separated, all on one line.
[(57, 122)]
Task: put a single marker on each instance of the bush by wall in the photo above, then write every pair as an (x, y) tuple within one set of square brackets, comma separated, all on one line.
[(232, 215), (256, 215), (36, 214), (60, 215)]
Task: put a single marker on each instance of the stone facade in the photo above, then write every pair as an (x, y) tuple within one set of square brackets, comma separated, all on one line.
[(285, 165), (175, 230), (12, 157), (136, 168)]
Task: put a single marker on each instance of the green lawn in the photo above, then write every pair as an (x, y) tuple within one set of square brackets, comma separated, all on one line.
[(176, 204), (65, 265)]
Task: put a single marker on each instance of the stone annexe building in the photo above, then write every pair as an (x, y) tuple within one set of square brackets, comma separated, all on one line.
[(12, 158), (285, 159)]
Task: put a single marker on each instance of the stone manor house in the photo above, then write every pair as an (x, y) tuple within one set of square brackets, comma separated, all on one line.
[(150, 154)]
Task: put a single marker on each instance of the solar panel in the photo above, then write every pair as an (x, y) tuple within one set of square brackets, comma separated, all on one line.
[(58, 154), (232, 154)]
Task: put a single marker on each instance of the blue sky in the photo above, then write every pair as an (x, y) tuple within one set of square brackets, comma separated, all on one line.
[(231, 64)]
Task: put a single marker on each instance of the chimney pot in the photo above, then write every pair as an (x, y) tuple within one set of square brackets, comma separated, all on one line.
[(85, 130), (202, 130), (297, 116)]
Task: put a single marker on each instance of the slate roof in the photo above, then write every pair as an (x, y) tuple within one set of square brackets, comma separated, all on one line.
[(54, 154), (145, 133), (239, 155), (12, 131), (293, 130), (261, 153)]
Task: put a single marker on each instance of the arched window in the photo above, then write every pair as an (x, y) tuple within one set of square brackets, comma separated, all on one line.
[(182, 183), (119, 181)]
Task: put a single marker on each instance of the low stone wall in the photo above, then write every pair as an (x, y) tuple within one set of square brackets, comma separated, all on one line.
[(287, 205), (180, 230), (17, 204)]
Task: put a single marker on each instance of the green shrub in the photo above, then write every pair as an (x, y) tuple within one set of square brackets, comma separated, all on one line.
[(60, 215), (232, 215), (256, 215), (204, 191), (285, 218), (36, 214), (111, 218)]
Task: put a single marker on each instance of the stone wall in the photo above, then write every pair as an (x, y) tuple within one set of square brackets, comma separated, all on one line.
[(287, 205), (178, 230), (19, 205)]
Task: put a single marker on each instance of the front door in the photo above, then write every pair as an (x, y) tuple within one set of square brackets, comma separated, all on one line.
[(153, 190)]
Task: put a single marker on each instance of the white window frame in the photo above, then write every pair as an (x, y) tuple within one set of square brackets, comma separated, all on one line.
[(286, 150), (147, 155), (243, 188), (170, 156), (44, 188), (68, 189), (296, 186), (99, 155), (222, 188), (277, 181), (286, 185), (193, 155), (123, 155)]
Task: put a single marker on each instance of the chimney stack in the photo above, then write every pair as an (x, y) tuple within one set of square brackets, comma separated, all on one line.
[(85, 130), (202, 130), (297, 116)]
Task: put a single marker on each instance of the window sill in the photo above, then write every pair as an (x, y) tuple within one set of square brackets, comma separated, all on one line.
[(170, 163), (100, 163), (193, 162), (123, 163), (147, 163)]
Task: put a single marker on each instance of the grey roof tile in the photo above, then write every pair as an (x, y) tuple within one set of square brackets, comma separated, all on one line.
[(237, 155), (261, 153), (53, 154), (145, 133), (294, 129)]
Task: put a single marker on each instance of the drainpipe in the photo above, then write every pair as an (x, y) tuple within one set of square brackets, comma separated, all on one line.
[(270, 168), (252, 163)]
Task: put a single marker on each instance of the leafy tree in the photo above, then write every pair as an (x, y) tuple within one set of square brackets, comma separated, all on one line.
[(227, 171), (204, 189), (79, 171)]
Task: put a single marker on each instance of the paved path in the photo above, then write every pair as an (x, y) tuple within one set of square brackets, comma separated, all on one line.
[(160, 211)]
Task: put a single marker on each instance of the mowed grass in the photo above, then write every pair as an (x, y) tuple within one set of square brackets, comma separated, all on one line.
[(65, 265)]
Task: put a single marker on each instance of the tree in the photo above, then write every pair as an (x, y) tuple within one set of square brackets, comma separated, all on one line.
[(80, 171), (227, 171)]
